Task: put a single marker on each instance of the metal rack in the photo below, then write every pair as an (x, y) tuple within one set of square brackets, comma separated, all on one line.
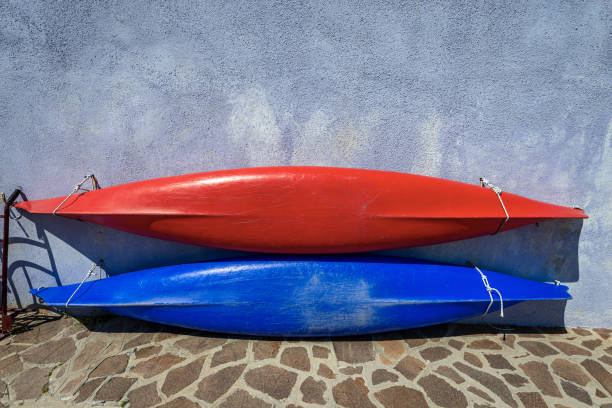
[(7, 317)]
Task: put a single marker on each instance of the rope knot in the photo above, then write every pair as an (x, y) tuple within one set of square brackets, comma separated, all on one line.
[(498, 192), (485, 183), (489, 289)]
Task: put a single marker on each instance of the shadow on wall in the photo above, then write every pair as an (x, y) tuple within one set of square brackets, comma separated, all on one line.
[(23, 265), (120, 251), (547, 251)]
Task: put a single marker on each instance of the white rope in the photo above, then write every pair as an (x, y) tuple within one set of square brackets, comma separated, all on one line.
[(87, 275), (94, 186), (498, 191), (489, 289)]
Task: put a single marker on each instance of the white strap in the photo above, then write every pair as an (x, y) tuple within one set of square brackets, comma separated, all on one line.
[(498, 191), (489, 289)]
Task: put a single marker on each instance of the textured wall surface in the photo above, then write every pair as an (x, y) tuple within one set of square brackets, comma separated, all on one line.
[(520, 94)]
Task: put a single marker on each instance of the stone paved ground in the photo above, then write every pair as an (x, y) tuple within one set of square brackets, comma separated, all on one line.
[(56, 362)]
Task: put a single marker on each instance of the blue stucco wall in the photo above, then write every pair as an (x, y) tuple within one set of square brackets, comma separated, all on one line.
[(520, 93)]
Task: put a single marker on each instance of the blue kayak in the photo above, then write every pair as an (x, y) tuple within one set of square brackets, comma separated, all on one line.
[(302, 295)]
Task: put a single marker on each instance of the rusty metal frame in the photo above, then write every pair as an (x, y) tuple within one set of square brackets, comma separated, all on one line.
[(7, 319)]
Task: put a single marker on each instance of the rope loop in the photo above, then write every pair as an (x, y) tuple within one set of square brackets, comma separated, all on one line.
[(489, 289), (498, 191), (94, 186), (87, 275)]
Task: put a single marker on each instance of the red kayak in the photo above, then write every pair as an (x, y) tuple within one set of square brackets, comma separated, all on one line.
[(303, 209)]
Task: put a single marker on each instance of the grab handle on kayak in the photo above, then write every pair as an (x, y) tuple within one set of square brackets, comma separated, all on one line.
[(94, 186)]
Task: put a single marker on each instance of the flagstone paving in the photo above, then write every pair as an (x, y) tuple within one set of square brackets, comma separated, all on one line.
[(55, 361)]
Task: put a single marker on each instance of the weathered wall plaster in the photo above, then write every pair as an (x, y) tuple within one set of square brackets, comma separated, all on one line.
[(519, 93)]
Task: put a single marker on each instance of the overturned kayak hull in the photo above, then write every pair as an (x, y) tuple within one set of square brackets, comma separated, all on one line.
[(301, 296), (302, 209)]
